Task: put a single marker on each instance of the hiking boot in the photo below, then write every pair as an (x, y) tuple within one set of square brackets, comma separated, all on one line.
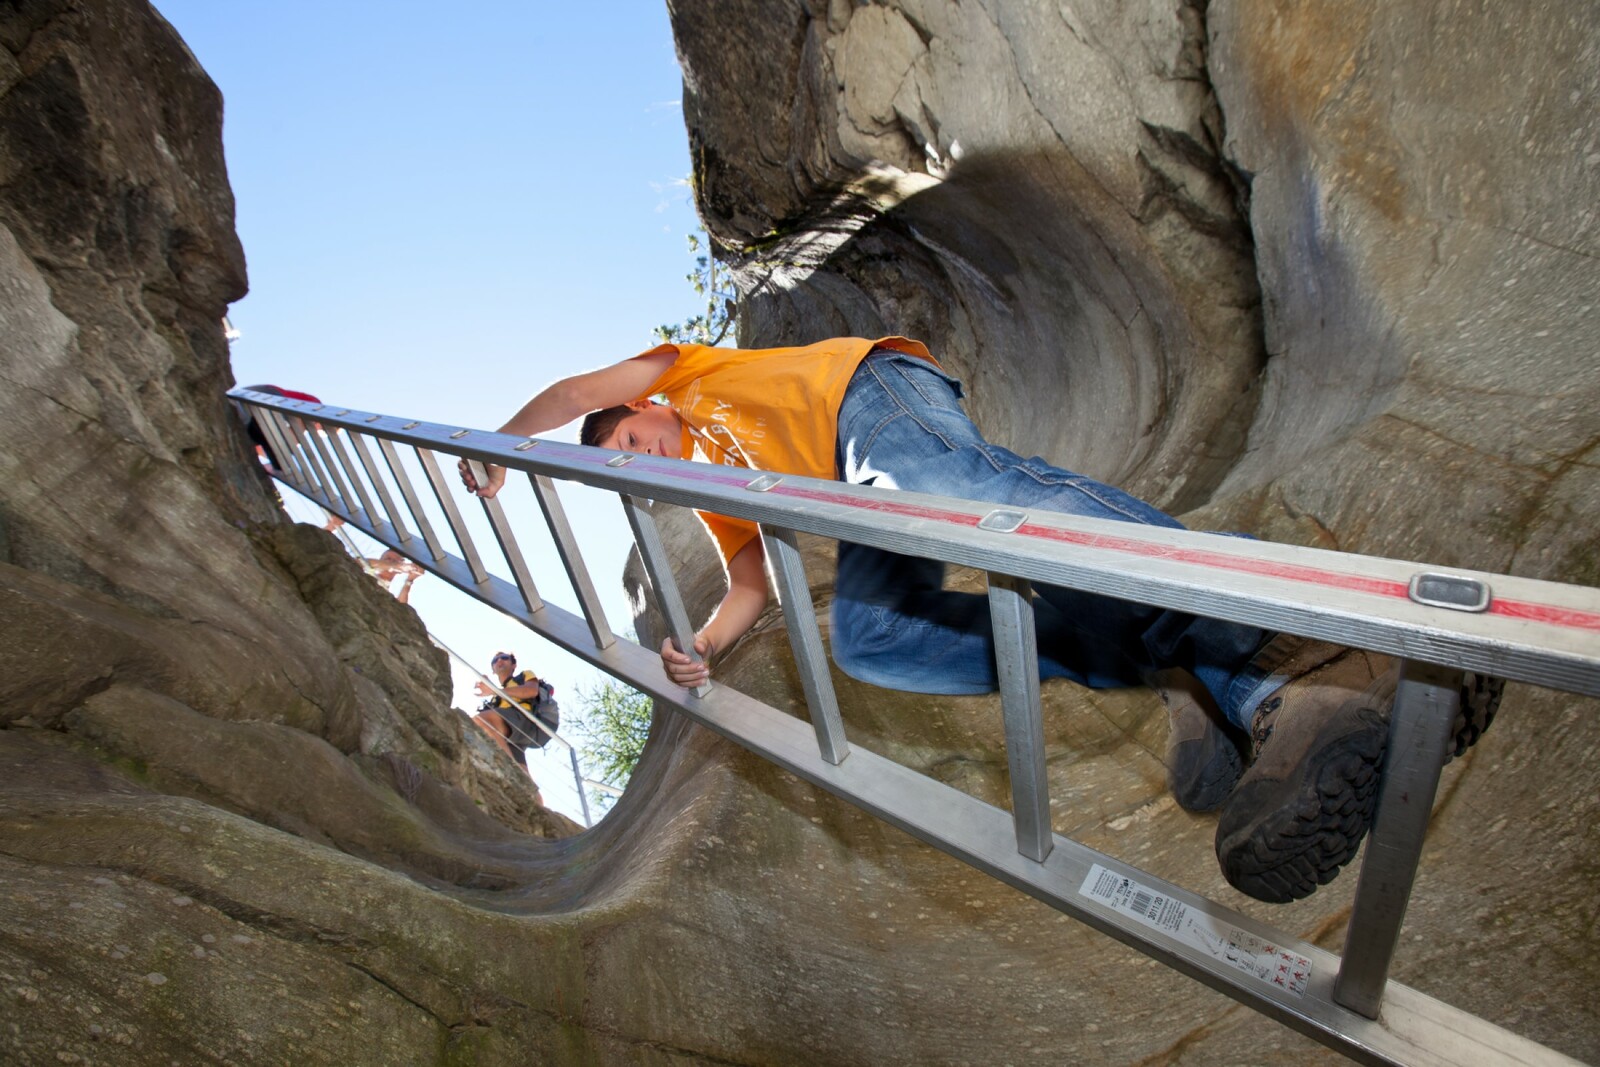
[(1300, 811), (1203, 757)]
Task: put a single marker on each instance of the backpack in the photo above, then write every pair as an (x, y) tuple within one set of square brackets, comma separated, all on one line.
[(546, 711)]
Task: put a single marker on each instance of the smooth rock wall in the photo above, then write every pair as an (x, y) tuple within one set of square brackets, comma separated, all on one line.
[(227, 758)]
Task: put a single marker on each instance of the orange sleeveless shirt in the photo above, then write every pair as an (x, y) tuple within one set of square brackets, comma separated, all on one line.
[(768, 409)]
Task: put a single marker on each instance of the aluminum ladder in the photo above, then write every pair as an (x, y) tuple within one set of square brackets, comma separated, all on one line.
[(1437, 623)]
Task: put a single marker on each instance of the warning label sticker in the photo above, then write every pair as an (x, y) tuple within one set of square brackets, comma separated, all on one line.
[(1245, 952)]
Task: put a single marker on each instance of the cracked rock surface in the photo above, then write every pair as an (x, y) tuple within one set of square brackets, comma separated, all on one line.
[(1322, 273)]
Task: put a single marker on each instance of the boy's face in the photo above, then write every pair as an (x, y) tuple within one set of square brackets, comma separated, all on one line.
[(653, 430)]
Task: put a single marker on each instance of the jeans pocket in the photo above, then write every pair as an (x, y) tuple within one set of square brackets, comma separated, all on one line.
[(931, 383)]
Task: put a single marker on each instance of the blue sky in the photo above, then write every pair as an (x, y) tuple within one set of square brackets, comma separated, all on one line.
[(442, 211)]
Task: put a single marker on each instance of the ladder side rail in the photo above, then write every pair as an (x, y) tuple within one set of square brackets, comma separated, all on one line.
[(1567, 658), (1362, 602), (494, 510), (555, 518), (381, 487), (1420, 723), (452, 514), (343, 455), (408, 493), (1412, 1027), (1355, 600), (1016, 654), (658, 568), (805, 639), (315, 436)]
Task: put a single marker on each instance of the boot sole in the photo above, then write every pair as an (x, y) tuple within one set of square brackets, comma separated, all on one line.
[(1305, 827), (1480, 700)]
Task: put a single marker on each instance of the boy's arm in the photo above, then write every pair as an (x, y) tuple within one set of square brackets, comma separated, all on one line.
[(741, 606), (570, 398)]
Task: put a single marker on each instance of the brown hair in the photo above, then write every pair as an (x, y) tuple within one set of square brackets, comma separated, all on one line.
[(598, 425)]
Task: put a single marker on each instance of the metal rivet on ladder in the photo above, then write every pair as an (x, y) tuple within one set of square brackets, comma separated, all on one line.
[(459, 434), (411, 426), (346, 411), (763, 483), (524, 446), (1002, 521), (1449, 591), (373, 418), (620, 461)]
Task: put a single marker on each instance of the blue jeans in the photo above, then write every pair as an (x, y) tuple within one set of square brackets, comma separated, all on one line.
[(901, 426)]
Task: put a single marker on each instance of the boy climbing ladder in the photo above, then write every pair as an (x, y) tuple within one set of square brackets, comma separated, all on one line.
[(1310, 716)]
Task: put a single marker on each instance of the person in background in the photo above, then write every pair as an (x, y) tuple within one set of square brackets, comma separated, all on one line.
[(505, 724), (389, 566), (251, 427), (385, 568)]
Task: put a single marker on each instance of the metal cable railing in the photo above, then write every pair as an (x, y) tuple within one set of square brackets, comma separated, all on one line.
[(525, 714), (1436, 622)]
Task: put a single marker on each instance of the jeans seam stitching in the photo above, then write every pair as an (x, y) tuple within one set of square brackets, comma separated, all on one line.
[(902, 410), (899, 369), (1072, 481)]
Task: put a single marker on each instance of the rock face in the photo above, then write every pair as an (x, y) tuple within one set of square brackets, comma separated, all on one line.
[(184, 671), (1324, 274)]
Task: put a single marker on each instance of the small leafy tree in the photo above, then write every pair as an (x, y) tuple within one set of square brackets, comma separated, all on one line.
[(713, 286), (613, 722)]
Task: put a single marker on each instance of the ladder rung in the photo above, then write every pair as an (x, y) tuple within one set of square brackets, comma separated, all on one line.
[(289, 430), (350, 472), (799, 615), (555, 517), (380, 486), (1419, 733), (315, 436), (408, 493), (1016, 654), (287, 461), (495, 511), (658, 569)]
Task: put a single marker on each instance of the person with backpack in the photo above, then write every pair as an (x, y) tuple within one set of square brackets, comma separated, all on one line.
[(508, 724)]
